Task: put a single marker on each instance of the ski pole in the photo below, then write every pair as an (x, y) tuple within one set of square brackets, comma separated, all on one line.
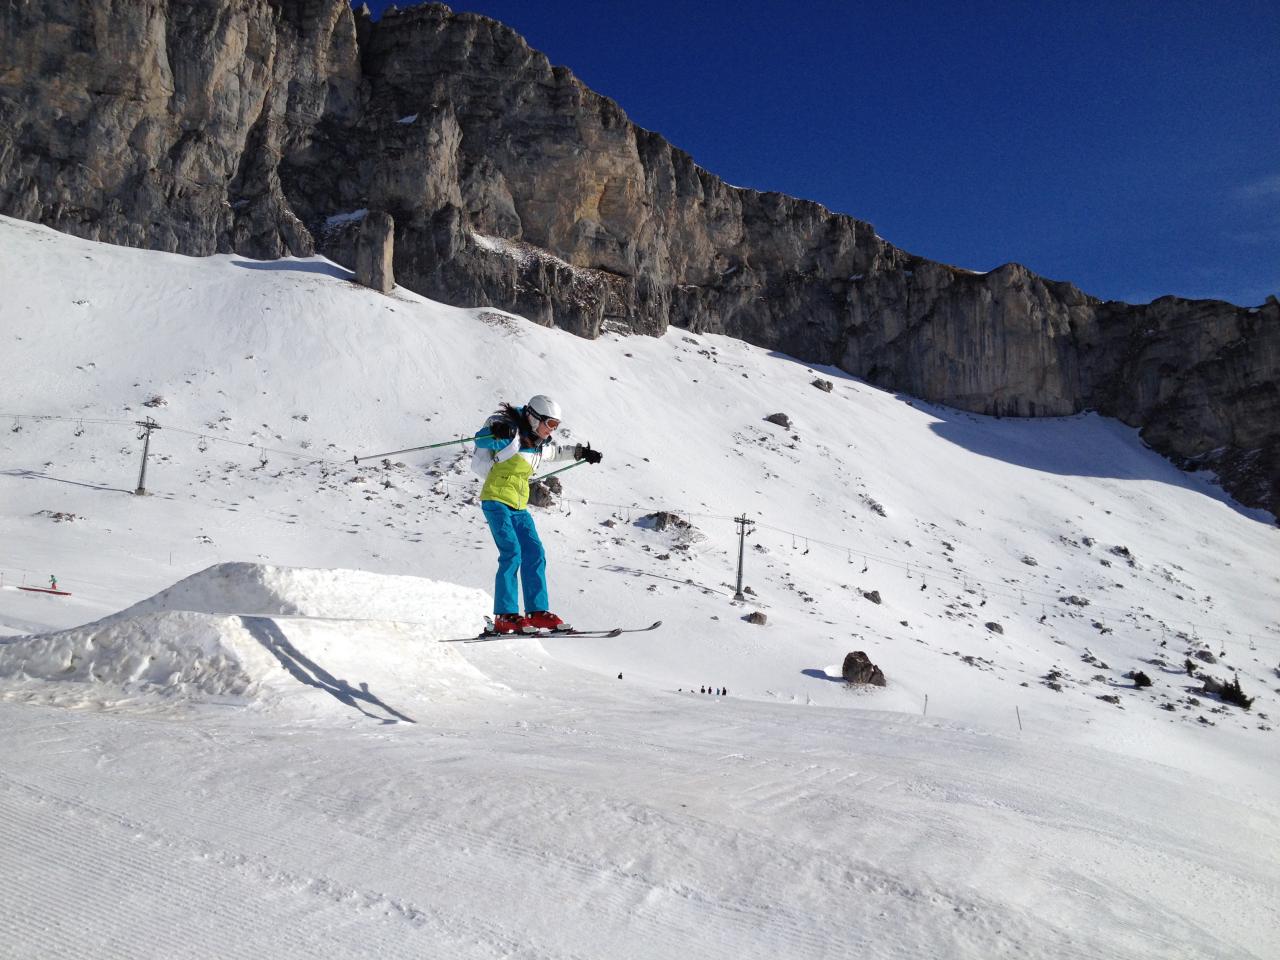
[(577, 463), (429, 446)]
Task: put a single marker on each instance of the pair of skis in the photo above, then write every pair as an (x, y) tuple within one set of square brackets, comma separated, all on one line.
[(589, 634)]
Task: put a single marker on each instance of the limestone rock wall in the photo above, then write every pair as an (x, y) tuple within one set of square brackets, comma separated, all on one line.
[(265, 126), (163, 125)]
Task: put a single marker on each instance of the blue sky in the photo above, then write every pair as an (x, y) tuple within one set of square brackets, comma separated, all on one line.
[(1131, 148)]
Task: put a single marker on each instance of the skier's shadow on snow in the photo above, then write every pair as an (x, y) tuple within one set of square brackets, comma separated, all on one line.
[(268, 633)]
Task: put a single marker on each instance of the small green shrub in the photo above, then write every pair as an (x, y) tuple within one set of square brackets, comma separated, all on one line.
[(1232, 693)]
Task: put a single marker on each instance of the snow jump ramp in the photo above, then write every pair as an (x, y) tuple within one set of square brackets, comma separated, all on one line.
[(267, 638)]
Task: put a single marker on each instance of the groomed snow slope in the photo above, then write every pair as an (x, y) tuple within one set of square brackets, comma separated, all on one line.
[(347, 784)]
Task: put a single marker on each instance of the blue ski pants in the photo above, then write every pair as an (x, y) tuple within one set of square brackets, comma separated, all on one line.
[(519, 550)]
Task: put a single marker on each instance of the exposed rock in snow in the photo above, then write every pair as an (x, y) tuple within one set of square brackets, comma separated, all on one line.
[(858, 668)]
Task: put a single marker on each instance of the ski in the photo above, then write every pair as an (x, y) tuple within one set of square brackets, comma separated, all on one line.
[(539, 634), (620, 630)]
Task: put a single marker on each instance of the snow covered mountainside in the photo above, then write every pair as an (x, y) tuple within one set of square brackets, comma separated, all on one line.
[(240, 731)]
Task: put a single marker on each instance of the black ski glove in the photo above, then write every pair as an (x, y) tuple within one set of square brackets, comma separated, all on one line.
[(503, 430), (584, 452)]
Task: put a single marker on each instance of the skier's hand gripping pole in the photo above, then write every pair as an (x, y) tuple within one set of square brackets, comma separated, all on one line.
[(582, 454)]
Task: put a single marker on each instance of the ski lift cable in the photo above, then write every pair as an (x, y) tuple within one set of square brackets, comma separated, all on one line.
[(183, 430), (172, 429), (306, 458), (51, 417)]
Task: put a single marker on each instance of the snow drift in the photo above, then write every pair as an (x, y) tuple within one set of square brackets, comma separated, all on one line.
[(254, 632)]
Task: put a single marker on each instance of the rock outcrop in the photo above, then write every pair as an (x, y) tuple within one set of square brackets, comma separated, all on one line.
[(171, 126), (263, 126), (375, 251)]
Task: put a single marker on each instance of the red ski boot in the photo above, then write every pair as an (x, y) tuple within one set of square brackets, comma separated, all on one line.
[(545, 620), (509, 623)]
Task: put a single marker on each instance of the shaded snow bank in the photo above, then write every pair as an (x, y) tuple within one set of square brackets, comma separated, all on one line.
[(255, 632)]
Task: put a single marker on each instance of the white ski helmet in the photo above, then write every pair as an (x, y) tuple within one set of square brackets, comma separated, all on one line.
[(543, 407)]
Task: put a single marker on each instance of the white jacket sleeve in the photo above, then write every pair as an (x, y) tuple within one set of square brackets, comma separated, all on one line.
[(553, 452)]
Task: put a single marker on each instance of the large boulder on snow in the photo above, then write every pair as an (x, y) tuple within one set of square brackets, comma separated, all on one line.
[(858, 668)]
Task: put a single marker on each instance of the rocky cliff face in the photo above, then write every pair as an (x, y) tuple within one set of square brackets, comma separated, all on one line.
[(265, 126), (165, 125)]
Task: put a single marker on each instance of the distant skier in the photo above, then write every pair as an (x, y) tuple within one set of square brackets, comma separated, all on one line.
[(519, 439), (53, 582)]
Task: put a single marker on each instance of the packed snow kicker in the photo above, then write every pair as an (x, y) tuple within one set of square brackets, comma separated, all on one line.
[(234, 729)]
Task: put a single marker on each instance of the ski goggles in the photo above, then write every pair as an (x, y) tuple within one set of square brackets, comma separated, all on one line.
[(551, 422)]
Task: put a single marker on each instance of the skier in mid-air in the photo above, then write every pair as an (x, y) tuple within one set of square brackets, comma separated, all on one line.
[(509, 448)]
